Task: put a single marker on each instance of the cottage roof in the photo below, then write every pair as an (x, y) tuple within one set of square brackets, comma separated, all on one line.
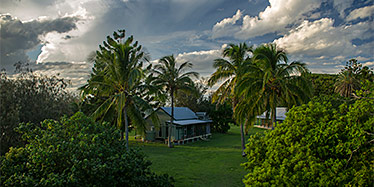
[(190, 122), (281, 114), (180, 113)]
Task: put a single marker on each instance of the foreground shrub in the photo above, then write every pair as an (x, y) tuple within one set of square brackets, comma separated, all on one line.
[(76, 152), (29, 97), (317, 145)]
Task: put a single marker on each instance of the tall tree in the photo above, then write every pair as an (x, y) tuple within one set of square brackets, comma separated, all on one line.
[(192, 100), (230, 69), (269, 81), (116, 81), (350, 77), (346, 84), (172, 78)]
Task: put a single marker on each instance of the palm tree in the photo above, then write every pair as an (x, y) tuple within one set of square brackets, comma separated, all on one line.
[(230, 69), (116, 80), (269, 81), (172, 78), (346, 84)]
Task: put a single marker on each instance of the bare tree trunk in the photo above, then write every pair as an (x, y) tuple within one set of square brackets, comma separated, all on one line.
[(170, 145), (126, 128)]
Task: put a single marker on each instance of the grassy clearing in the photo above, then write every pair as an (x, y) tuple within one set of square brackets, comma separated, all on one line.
[(203, 163)]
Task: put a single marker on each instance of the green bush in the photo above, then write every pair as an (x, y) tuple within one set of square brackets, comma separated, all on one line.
[(317, 145), (76, 152), (29, 97), (221, 117)]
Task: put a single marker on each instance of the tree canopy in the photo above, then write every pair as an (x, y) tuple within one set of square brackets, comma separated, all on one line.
[(76, 151), (270, 81), (30, 97), (318, 144)]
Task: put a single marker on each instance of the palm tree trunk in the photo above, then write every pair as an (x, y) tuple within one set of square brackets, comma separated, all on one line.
[(273, 116), (170, 145), (126, 128), (242, 138)]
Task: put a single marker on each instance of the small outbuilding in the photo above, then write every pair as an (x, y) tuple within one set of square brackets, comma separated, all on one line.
[(187, 126), (263, 122)]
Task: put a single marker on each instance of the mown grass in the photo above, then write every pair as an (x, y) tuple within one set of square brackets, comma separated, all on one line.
[(204, 163)]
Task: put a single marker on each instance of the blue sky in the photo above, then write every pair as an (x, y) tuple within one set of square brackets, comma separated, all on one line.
[(57, 36)]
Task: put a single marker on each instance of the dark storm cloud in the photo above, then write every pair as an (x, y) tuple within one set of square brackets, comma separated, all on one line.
[(17, 37)]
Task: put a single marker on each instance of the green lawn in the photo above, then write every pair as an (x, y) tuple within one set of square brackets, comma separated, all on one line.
[(204, 163)]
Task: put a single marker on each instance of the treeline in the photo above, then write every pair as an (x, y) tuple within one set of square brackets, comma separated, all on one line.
[(30, 97)]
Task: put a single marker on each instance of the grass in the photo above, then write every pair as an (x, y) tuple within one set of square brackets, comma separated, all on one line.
[(204, 163)]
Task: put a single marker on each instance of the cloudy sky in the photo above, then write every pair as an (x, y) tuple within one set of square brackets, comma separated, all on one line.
[(57, 36)]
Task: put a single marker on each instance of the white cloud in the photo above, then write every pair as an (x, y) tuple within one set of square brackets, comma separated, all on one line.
[(321, 38), (68, 46), (326, 45), (369, 64), (306, 38), (360, 58), (275, 18), (17, 37), (361, 13), (57, 48), (226, 26), (202, 60)]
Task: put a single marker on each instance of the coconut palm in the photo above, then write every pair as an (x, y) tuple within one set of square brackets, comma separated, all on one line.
[(229, 69), (269, 81), (172, 78), (116, 81)]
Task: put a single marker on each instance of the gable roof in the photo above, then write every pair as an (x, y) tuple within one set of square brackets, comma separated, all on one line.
[(180, 113), (190, 122)]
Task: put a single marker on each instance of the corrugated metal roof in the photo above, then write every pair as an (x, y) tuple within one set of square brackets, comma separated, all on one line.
[(180, 113), (281, 114), (190, 122)]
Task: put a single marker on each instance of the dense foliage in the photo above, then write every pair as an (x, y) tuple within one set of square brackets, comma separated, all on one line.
[(76, 151), (192, 99), (221, 117), (220, 114), (318, 144), (29, 97), (323, 84)]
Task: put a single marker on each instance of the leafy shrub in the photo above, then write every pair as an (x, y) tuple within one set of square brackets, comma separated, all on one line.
[(76, 152), (221, 117), (29, 97), (317, 145)]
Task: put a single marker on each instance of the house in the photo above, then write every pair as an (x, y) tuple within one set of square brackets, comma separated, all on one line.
[(186, 125), (262, 122)]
